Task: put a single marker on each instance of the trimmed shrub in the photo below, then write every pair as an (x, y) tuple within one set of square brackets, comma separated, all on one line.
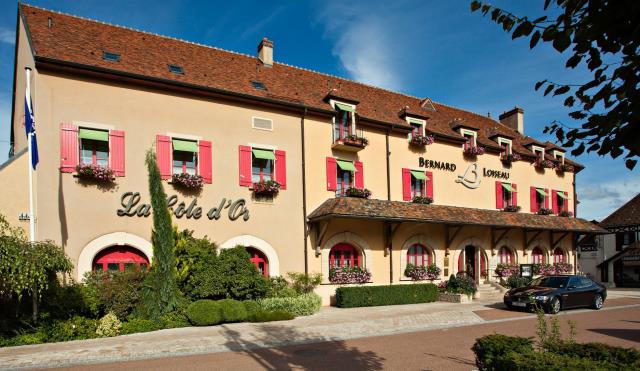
[(251, 306), (175, 319), (232, 310), (270, 316), (369, 296), (75, 328), (278, 287), (136, 325), (108, 326), (490, 348), (304, 283), (544, 361), (598, 352), (204, 313), (303, 305)]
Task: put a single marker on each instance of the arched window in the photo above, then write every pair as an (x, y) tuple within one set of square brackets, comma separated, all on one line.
[(418, 255), (505, 256), (259, 260), (558, 255), (537, 255), (119, 258), (344, 255)]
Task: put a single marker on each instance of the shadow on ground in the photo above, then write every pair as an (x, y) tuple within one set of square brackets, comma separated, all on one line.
[(319, 353), (625, 334)]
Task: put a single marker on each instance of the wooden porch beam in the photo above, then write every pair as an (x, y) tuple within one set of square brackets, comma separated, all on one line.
[(528, 241), (555, 243), (500, 236), (448, 237), (321, 230)]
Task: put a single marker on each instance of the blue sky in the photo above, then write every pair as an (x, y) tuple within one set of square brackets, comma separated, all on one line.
[(436, 49)]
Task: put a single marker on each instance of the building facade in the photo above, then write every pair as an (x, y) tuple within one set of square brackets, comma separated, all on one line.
[(104, 95)]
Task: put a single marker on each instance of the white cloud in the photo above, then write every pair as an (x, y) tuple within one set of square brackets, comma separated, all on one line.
[(7, 36), (597, 201)]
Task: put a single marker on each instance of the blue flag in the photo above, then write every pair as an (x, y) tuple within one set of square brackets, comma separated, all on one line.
[(30, 125)]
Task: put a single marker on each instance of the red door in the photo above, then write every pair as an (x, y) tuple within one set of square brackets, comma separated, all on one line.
[(259, 260), (119, 258)]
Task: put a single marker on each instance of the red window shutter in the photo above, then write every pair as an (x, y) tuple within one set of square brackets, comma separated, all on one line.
[(406, 184), (534, 204), (499, 203), (205, 161), (163, 155), (69, 148), (546, 199), (514, 195), (554, 201), (245, 166), (116, 151), (332, 174), (359, 175), (430, 184), (460, 263), (281, 168)]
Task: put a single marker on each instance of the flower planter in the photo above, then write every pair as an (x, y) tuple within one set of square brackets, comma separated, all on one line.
[(454, 298), (100, 174), (422, 200), (544, 211), (510, 158), (351, 143), (561, 168), (421, 141), (512, 209), (357, 192), (473, 151), (266, 188), (422, 273), (566, 214), (543, 164), (349, 275), (187, 181)]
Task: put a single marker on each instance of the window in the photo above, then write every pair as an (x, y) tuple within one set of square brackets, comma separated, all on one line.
[(119, 259), (538, 151), (108, 56), (541, 198), (559, 156), (507, 195), (418, 184), (561, 198), (505, 256), (176, 69), (624, 239), (259, 260), (470, 136), (258, 85), (418, 255), (558, 255), (345, 175), (505, 144), (417, 127), (537, 255), (262, 165), (94, 147), (185, 156), (344, 255), (344, 121)]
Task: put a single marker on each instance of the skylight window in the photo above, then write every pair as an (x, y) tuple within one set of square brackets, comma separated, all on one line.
[(258, 85), (176, 69), (108, 56)]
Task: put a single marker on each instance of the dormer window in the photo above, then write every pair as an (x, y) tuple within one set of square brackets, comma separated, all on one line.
[(506, 145), (559, 156), (345, 135), (109, 56), (538, 151), (417, 127), (471, 137), (176, 69)]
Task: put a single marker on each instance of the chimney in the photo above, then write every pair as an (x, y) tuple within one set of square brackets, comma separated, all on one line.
[(265, 52), (513, 119)]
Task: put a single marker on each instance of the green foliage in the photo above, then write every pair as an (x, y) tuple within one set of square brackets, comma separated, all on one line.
[(175, 319), (514, 282), (302, 305), (117, 292), (599, 352), (488, 349), (270, 316), (278, 287), (204, 313), (369, 296), (75, 328), (63, 302), (304, 283), (251, 306), (136, 325), (159, 291), (604, 37), (192, 255), (539, 361), (461, 285), (108, 326), (232, 310)]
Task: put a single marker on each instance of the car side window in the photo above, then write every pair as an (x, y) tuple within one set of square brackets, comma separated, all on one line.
[(573, 281), (585, 282)]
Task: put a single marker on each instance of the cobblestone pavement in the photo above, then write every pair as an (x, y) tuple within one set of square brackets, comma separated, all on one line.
[(330, 324)]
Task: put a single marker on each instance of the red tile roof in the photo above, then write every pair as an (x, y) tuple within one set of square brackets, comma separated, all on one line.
[(81, 42), (627, 215), (347, 207)]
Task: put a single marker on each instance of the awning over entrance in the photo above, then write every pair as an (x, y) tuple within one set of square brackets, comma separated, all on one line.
[(358, 208)]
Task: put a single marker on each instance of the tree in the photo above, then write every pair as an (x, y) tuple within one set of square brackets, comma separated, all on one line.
[(159, 292), (604, 36)]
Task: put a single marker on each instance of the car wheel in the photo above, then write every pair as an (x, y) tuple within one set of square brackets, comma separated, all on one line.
[(554, 306), (598, 302)]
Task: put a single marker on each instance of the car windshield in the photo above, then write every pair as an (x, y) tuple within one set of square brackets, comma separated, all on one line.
[(555, 282)]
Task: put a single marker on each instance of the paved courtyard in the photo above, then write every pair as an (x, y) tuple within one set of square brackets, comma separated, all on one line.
[(331, 324)]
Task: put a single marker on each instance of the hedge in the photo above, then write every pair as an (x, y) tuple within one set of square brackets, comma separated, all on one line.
[(370, 296), (276, 315), (302, 305), (491, 348), (204, 313), (545, 361), (232, 310)]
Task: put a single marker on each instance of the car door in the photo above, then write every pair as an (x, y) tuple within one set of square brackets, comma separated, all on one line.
[(571, 295), (587, 290)]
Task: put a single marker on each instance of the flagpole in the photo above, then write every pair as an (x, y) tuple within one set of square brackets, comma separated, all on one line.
[(32, 218)]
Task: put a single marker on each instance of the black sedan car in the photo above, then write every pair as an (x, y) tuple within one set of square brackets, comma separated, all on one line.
[(554, 293)]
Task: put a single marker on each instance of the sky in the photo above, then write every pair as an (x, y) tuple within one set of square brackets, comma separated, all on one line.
[(435, 49)]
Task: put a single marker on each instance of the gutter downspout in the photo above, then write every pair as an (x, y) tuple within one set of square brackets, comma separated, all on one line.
[(304, 194), (389, 199)]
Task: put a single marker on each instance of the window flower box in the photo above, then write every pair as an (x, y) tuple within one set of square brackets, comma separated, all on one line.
[(566, 214), (512, 209), (422, 200), (510, 158), (562, 268), (472, 151), (345, 275), (541, 163), (504, 270), (421, 140), (101, 174), (544, 211), (420, 273), (357, 192), (561, 168), (187, 181), (266, 188), (546, 269)]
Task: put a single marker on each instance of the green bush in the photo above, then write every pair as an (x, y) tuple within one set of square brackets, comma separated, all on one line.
[(303, 305), (270, 316), (64, 302), (117, 292), (75, 328), (513, 282), (462, 284), (232, 310), (204, 313), (369, 296), (136, 325), (304, 283), (492, 347), (545, 361), (278, 287), (175, 319), (598, 352), (192, 255), (251, 306), (108, 326)]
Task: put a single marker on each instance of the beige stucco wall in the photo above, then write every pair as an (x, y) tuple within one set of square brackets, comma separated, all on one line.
[(15, 190), (25, 59)]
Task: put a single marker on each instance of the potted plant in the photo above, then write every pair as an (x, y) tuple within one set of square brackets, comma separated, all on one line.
[(266, 188), (187, 181), (544, 211), (101, 174), (510, 158), (418, 140), (420, 272), (357, 192), (561, 168), (566, 214), (512, 208), (472, 151), (542, 163), (355, 140), (346, 275), (422, 200)]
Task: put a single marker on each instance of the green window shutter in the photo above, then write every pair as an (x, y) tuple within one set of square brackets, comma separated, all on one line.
[(419, 175), (346, 165), (185, 145), (344, 107), (263, 154), (541, 192), (101, 135), (562, 195), (508, 187)]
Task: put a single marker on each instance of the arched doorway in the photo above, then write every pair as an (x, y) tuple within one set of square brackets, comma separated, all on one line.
[(119, 258), (344, 255), (537, 255), (259, 260), (472, 261)]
